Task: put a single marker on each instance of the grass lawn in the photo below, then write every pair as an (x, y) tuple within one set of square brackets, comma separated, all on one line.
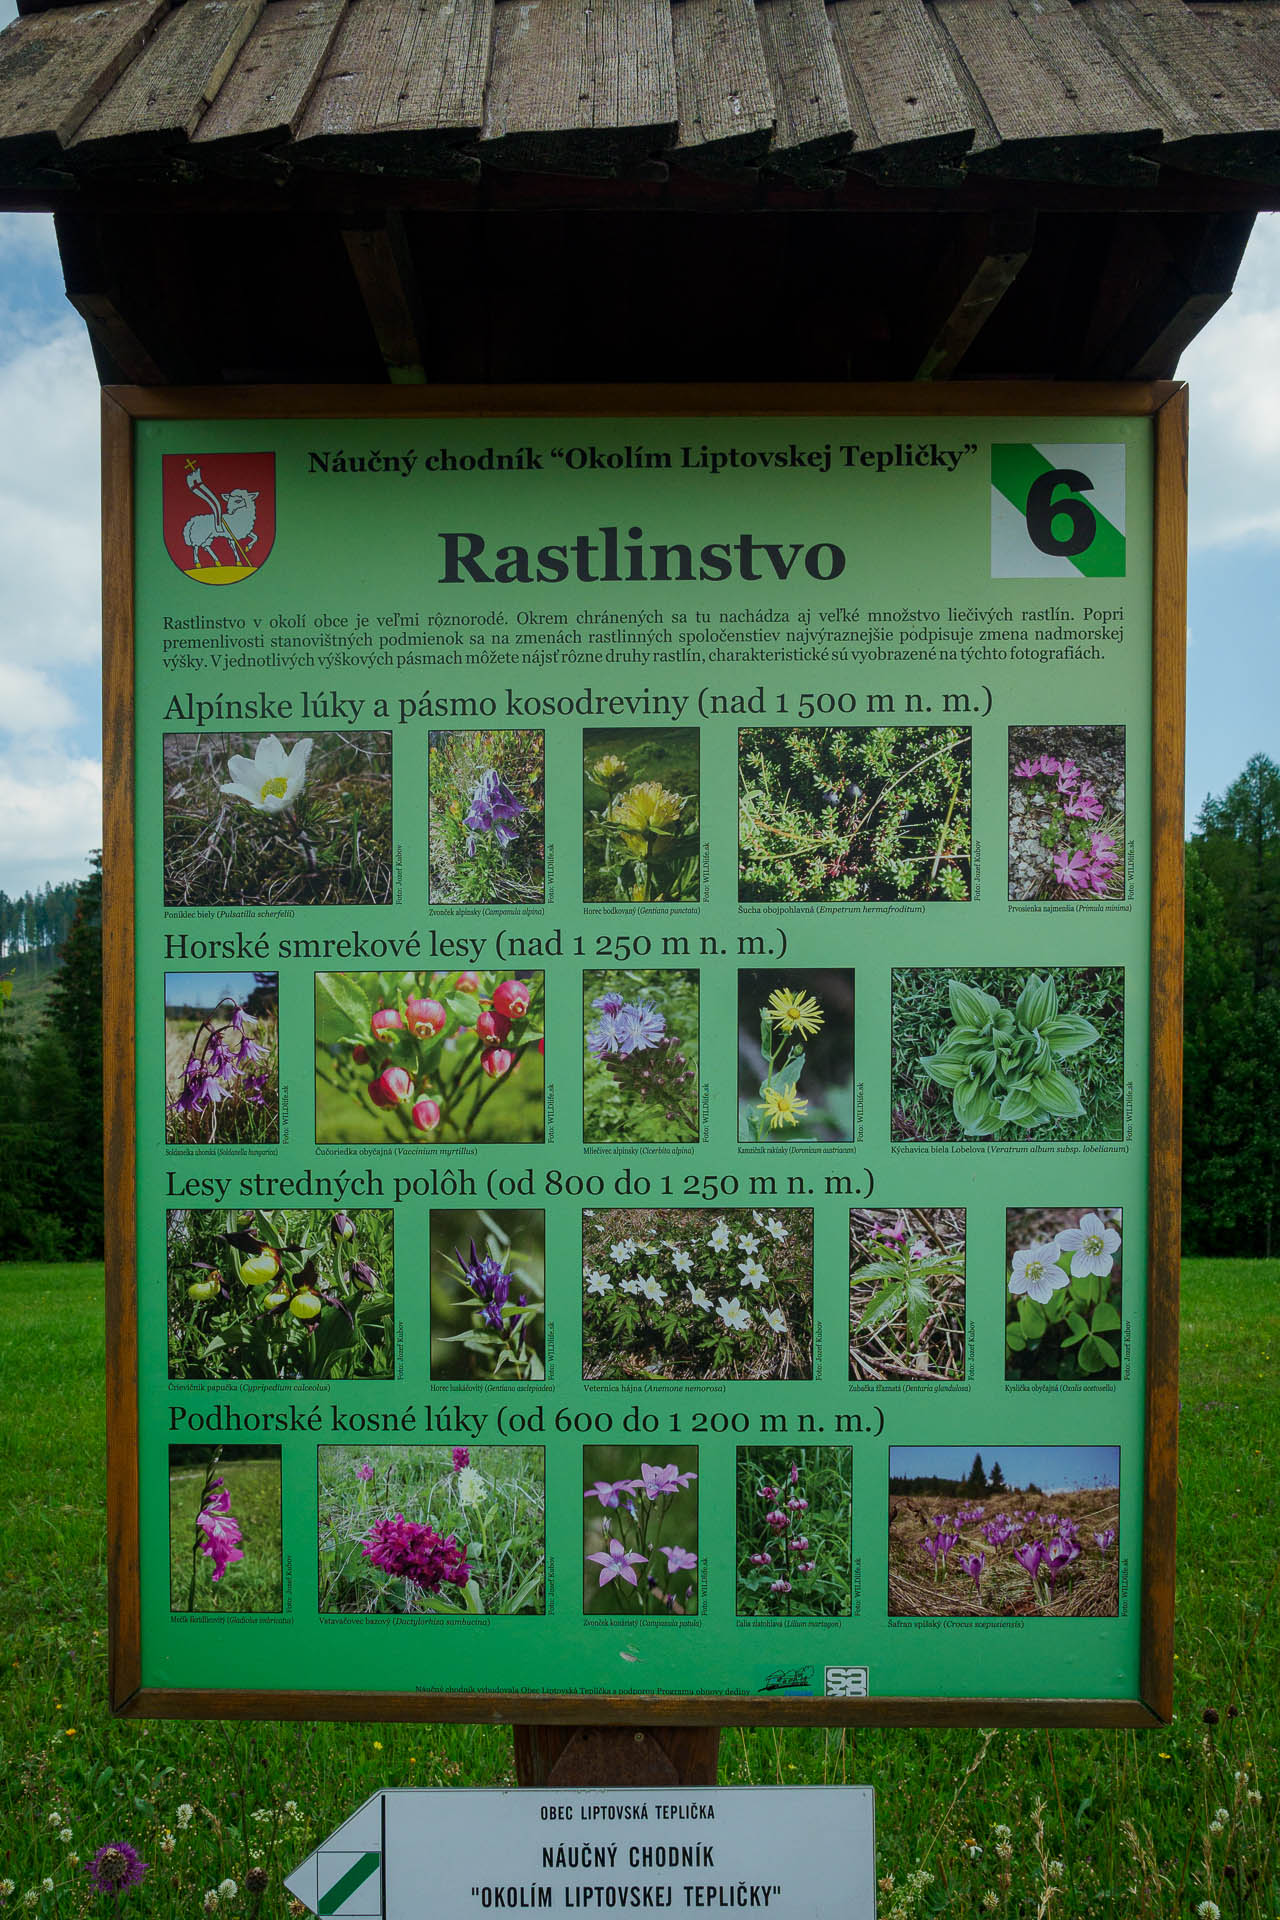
[(1126, 1823)]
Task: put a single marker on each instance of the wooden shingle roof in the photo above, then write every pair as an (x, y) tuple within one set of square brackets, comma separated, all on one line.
[(901, 92)]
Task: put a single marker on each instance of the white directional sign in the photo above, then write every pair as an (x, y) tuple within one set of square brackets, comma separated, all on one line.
[(783, 1853)]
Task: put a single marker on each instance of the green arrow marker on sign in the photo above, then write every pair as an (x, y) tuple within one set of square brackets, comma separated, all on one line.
[(1014, 471), (355, 1876)]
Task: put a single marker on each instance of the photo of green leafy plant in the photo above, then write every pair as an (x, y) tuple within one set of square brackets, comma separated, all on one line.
[(640, 1531), (687, 1293), (429, 1058), (1066, 813), (485, 818), (795, 1543), (640, 815), (1022, 1532), (225, 1553), (853, 813), (270, 820), (1063, 1312), (487, 1294), (222, 1059), (640, 1055), (456, 1530), (795, 1055), (281, 1294), (907, 1294), (1007, 1053)]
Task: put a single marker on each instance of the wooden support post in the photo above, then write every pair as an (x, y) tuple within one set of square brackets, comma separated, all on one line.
[(381, 262), (616, 1756), (92, 286), (984, 265)]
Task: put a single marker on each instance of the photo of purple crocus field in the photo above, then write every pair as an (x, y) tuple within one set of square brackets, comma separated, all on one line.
[(1004, 1531), (225, 1552)]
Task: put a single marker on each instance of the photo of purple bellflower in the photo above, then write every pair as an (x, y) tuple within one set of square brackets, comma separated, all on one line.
[(493, 809), (640, 1533), (485, 818)]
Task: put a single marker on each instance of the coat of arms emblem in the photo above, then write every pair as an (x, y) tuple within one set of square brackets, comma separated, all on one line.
[(219, 514)]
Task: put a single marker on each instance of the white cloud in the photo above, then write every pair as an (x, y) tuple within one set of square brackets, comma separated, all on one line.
[(1234, 371), (31, 703), (50, 816)]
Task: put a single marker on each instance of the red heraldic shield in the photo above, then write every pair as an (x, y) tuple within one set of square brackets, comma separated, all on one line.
[(219, 514)]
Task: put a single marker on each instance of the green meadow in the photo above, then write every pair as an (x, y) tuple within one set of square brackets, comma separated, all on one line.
[(1175, 1822)]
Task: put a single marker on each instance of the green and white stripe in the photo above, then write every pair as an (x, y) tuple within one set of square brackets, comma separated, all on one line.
[(1015, 467)]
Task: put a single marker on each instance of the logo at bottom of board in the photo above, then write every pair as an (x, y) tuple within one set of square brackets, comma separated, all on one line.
[(845, 1683), (788, 1680)]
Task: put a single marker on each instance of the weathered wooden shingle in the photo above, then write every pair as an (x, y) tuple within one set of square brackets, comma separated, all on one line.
[(1218, 112), (910, 117), (726, 103), (1056, 101), (402, 87), (160, 100), (1250, 30), (813, 132), (55, 67), (262, 100), (581, 86)]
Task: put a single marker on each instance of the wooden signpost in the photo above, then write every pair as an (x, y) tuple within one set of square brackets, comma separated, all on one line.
[(643, 938)]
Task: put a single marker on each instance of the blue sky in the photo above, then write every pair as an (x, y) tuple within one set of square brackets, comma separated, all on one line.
[(50, 742), (1052, 1469)]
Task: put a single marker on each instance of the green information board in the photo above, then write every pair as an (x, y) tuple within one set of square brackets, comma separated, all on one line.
[(644, 946)]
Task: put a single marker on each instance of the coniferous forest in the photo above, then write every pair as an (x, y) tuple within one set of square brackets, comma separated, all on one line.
[(51, 1066)]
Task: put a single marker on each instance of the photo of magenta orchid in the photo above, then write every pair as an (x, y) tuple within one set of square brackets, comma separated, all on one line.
[(640, 1531)]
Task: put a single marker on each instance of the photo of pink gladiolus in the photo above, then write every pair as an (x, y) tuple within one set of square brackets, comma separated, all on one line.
[(1004, 1531), (640, 1531), (429, 1059), (794, 1548), (225, 1530), (222, 1059), (1066, 813)]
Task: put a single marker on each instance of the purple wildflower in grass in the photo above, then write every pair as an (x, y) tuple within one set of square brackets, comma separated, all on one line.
[(1058, 1556), (115, 1868), (1026, 770), (417, 1553), (617, 1564), (1105, 1541), (667, 1480), (461, 1458), (609, 1003), (780, 1586), (609, 1492), (679, 1560), (222, 1535), (1030, 1556), (602, 1038), (638, 1028), (973, 1564), (365, 1470), (492, 808), (489, 1282)]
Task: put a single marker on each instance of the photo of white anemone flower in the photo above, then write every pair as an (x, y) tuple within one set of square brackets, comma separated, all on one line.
[(273, 779)]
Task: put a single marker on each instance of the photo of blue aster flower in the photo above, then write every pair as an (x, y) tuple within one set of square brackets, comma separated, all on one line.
[(487, 1294), (485, 818), (640, 1064)]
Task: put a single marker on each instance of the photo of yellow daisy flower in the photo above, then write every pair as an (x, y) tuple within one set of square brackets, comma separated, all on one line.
[(795, 1056)]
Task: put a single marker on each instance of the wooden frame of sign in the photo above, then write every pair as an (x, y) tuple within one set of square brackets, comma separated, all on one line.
[(1165, 403)]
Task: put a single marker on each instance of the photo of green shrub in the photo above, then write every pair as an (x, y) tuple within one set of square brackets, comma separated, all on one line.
[(488, 1272), (485, 818), (691, 1293), (853, 813), (281, 1295), (1064, 1317), (794, 1527), (1009, 1054), (795, 1055), (640, 815), (271, 820), (225, 1553), (907, 1294), (446, 1530), (640, 1055)]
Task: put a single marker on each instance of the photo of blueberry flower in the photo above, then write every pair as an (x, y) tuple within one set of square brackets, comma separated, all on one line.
[(794, 1520), (222, 1059), (487, 1285), (1064, 1315), (446, 1530), (266, 819), (640, 1044), (485, 818), (225, 1552), (640, 1531)]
